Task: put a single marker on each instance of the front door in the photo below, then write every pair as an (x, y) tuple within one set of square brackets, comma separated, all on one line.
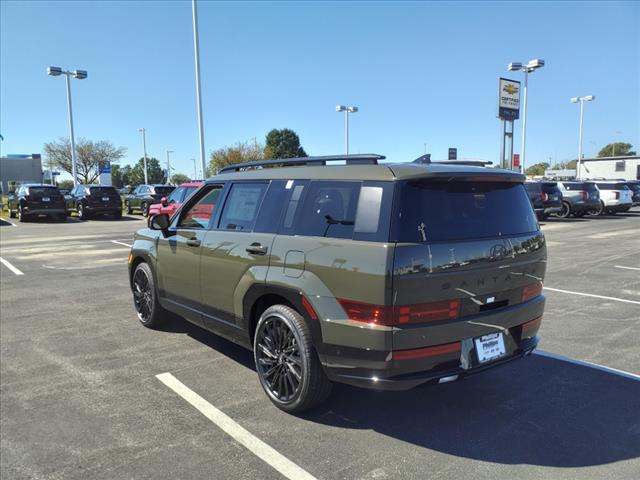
[(179, 252)]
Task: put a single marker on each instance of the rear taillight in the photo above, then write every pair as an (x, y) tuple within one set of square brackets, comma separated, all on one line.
[(402, 314), (616, 195), (530, 328), (531, 291), (543, 196), (584, 195)]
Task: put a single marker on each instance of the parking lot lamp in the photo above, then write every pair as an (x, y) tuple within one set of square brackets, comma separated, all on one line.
[(195, 170), (347, 111), (581, 100), (528, 68), (144, 149), (169, 152), (80, 75)]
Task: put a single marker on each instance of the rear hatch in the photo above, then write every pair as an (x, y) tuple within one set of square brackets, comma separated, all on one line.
[(163, 191), (104, 197), (45, 197), (553, 194), (465, 248)]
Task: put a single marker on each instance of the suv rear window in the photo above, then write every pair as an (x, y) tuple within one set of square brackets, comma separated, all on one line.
[(43, 190), (163, 190), (103, 191), (612, 186), (431, 211), (574, 186)]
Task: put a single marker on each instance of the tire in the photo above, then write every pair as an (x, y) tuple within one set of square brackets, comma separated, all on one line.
[(12, 213), (145, 297), (117, 215), (566, 210), (144, 208), (127, 205), (21, 216), (600, 210), (286, 362), (579, 214), (82, 214)]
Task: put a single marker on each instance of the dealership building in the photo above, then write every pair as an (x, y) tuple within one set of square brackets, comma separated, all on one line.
[(19, 169), (627, 168)]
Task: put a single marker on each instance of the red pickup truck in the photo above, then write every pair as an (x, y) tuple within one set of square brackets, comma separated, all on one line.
[(171, 203)]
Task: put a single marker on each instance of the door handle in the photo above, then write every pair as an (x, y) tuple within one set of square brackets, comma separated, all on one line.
[(257, 249), (193, 242)]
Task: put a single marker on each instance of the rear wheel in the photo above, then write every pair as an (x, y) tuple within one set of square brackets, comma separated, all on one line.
[(286, 362), (599, 210), (117, 214), (566, 210), (127, 205), (12, 213), (145, 297), (82, 212), (145, 209), (23, 217)]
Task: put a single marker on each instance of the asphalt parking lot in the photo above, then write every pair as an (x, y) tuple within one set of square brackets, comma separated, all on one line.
[(80, 396)]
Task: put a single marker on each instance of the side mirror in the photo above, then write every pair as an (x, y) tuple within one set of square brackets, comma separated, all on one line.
[(163, 201), (159, 222)]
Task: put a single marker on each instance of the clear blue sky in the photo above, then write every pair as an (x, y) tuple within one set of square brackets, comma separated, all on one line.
[(420, 73)]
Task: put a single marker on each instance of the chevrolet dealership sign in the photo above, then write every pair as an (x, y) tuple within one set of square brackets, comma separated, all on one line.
[(508, 99)]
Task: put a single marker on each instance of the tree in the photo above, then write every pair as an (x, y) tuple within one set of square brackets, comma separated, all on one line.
[(283, 143), (155, 174), (89, 155), (65, 184), (178, 178), (617, 149), (537, 169), (120, 176), (239, 153)]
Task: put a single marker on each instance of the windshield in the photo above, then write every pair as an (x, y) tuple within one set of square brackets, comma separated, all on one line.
[(437, 211), (176, 195)]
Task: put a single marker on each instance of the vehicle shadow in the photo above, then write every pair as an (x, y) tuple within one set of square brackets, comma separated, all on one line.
[(536, 411)]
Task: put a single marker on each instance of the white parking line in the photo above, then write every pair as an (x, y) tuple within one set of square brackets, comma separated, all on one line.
[(584, 363), (10, 223), (121, 243), (627, 268), (256, 446), (10, 267), (613, 233), (592, 295)]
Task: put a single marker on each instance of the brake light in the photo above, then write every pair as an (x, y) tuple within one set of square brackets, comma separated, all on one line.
[(402, 314), (531, 291), (530, 328), (584, 195), (543, 196), (616, 195), (435, 351)]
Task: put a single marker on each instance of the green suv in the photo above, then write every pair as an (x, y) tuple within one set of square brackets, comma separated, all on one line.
[(384, 276)]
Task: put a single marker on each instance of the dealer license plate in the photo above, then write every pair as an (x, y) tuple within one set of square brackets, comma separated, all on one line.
[(490, 347)]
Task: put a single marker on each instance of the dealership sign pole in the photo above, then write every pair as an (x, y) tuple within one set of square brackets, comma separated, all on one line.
[(508, 111)]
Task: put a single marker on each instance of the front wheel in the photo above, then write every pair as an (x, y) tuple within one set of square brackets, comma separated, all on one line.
[(145, 297), (286, 362), (145, 209), (12, 213)]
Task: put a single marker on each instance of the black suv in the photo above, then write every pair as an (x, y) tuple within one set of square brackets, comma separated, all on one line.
[(91, 200), (146, 195), (545, 197), (33, 200), (634, 186), (384, 276)]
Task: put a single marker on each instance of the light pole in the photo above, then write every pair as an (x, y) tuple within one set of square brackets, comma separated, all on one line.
[(347, 111), (144, 149), (196, 48), (80, 75), (195, 171), (169, 166), (588, 98), (530, 67)]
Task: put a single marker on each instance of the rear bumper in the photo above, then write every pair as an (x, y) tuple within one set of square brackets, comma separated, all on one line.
[(45, 211), (547, 210), (379, 370), (585, 206), (103, 208)]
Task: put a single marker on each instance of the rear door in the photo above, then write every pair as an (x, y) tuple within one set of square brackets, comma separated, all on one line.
[(236, 251), (464, 248)]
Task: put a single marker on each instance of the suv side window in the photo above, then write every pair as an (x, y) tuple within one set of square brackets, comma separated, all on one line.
[(271, 210), (241, 206), (200, 213), (328, 209)]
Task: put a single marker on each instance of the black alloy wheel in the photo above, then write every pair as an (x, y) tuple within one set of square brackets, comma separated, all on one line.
[(286, 361), (566, 210), (150, 312), (278, 359)]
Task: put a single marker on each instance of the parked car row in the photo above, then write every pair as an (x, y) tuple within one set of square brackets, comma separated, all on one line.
[(578, 198)]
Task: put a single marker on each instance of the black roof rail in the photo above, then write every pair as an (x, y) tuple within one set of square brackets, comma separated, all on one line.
[(475, 163), (357, 159)]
